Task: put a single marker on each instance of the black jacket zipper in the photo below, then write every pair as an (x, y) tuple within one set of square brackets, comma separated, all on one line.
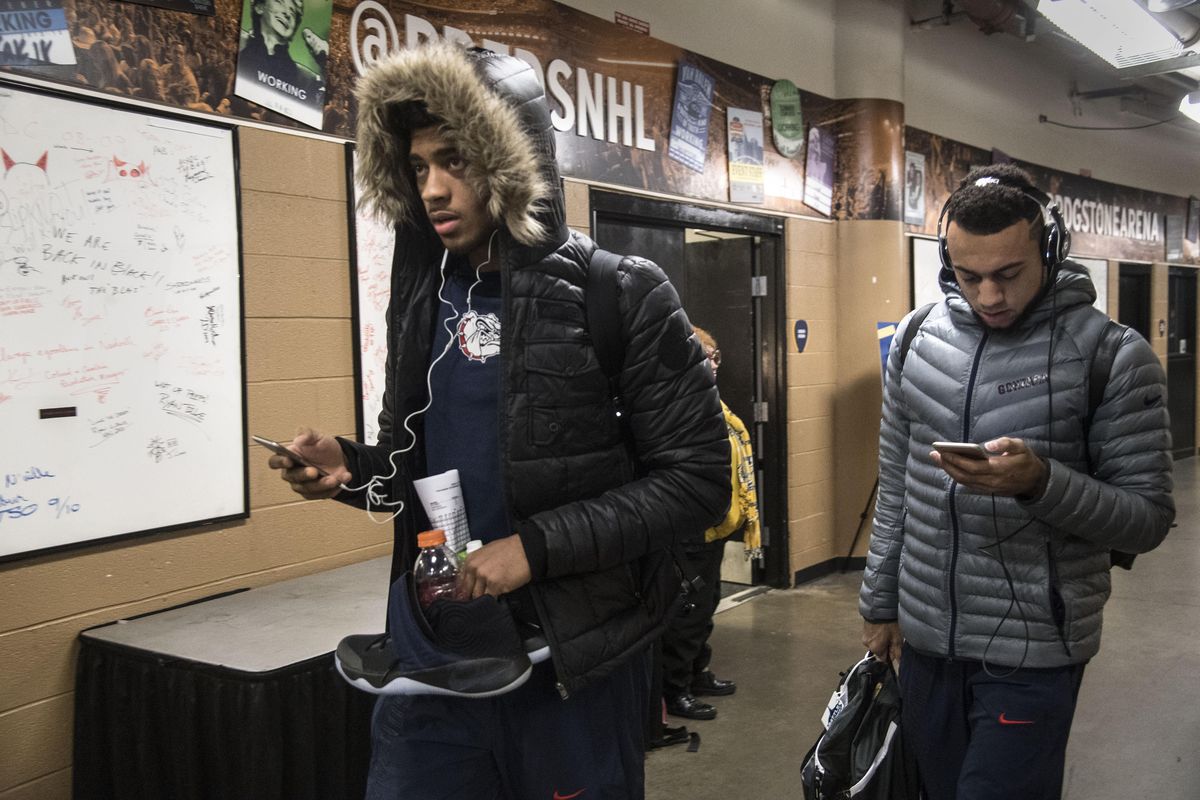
[(955, 532)]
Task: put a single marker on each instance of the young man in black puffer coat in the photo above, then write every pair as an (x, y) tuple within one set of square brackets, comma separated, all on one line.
[(578, 509)]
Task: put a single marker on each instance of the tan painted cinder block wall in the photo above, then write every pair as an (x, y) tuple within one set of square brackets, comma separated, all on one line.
[(577, 201), (1159, 309), (873, 287), (812, 268), (299, 370)]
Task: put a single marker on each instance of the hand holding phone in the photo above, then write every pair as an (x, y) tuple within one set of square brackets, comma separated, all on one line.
[(967, 449), (282, 450)]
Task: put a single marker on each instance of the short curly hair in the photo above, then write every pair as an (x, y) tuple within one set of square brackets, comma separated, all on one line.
[(982, 207)]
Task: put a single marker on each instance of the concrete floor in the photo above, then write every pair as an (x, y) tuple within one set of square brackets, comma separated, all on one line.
[(1137, 728)]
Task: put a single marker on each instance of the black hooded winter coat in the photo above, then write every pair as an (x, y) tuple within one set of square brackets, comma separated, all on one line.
[(597, 503)]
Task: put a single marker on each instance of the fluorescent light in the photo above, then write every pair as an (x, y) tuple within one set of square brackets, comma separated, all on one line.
[(1168, 5), (1190, 105), (1121, 32)]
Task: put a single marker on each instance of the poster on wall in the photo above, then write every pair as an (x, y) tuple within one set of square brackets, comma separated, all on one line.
[(787, 121), (1193, 219), (1174, 237), (282, 54), (689, 116), (745, 133), (34, 33), (818, 170), (914, 188)]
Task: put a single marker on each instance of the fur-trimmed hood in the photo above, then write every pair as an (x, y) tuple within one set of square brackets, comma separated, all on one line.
[(494, 110)]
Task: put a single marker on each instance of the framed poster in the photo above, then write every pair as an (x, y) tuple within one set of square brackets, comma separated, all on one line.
[(282, 54), (818, 170), (745, 134), (914, 188), (690, 113)]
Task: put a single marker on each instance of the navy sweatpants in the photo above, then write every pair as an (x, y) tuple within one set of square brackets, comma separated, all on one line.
[(987, 737), (529, 744)]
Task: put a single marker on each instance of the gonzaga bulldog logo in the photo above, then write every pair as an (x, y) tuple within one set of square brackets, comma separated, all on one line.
[(479, 337)]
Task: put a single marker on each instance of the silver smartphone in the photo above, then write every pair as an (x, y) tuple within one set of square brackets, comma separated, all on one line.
[(968, 449), (282, 450)]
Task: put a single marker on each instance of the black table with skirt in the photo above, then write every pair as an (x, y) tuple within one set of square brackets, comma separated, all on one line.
[(231, 697)]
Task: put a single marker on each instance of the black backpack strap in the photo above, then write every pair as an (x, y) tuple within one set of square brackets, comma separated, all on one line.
[(1101, 371), (914, 325), (604, 313)]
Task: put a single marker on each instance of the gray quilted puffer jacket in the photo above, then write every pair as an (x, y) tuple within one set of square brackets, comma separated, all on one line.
[(940, 553)]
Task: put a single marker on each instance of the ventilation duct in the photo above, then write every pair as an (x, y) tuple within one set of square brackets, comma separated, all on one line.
[(992, 16), (1182, 25)]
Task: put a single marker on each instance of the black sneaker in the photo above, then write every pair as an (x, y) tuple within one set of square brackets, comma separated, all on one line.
[(458, 648)]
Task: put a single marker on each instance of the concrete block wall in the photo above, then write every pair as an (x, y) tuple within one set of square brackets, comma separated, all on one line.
[(812, 267)]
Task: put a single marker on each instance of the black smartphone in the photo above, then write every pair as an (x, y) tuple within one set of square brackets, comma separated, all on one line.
[(282, 450)]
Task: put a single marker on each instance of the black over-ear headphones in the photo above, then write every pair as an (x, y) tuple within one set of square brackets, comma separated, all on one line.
[(1056, 238)]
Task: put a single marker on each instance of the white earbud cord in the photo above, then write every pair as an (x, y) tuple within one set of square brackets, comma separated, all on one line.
[(376, 487)]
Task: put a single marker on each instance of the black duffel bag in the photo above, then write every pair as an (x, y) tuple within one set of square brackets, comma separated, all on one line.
[(861, 753)]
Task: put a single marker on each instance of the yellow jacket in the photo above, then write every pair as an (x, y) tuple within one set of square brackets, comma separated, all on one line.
[(743, 503)]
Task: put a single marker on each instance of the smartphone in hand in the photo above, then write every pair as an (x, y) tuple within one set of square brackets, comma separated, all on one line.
[(968, 449), (282, 450)]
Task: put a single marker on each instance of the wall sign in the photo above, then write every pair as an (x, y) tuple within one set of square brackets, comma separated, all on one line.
[(689, 117), (745, 132), (914, 188), (801, 335), (787, 122)]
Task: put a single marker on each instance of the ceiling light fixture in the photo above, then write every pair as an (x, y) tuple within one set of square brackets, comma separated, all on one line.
[(1122, 32), (1190, 106), (1168, 5)]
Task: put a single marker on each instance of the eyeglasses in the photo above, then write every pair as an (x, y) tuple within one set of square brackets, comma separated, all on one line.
[(715, 358)]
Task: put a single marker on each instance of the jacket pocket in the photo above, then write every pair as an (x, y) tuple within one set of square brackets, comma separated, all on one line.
[(564, 358), (545, 426)]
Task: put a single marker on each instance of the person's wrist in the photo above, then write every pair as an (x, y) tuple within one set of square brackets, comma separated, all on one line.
[(1041, 479)]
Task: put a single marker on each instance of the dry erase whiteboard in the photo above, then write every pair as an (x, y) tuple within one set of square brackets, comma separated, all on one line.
[(374, 241), (121, 369)]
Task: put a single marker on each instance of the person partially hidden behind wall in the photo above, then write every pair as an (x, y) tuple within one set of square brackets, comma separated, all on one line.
[(685, 648), (578, 510), (987, 577)]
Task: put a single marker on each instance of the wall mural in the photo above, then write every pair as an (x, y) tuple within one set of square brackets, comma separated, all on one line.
[(613, 92), (1106, 220)]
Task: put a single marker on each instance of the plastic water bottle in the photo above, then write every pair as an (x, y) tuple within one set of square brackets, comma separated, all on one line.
[(436, 570)]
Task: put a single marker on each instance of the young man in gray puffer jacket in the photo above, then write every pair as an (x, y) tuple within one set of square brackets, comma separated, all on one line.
[(987, 577)]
